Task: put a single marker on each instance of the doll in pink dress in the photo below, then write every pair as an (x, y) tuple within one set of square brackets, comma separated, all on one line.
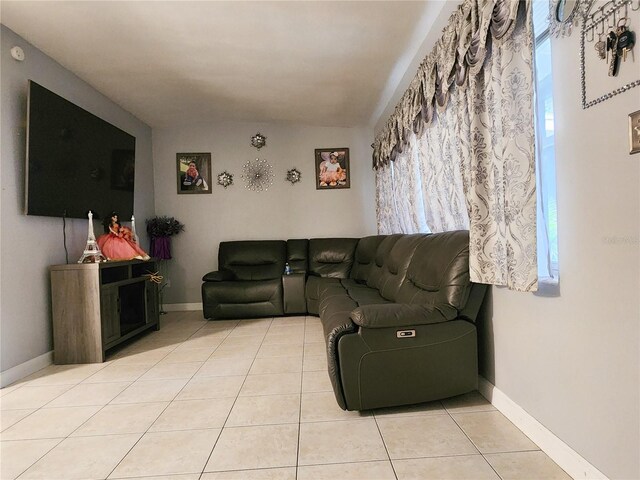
[(117, 242)]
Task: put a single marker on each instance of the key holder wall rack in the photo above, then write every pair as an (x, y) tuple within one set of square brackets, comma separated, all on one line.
[(605, 17)]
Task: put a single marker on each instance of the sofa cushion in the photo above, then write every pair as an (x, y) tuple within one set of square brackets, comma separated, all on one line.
[(394, 268), (219, 276), (376, 269), (331, 257), (253, 260), (439, 272), (365, 257), (242, 299), (312, 291), (362, 294)]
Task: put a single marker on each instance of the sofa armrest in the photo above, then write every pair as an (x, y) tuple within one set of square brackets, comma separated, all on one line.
[(219, 276), (401, 314)]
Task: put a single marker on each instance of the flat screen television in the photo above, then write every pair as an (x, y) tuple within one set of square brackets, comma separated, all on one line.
[(76, 162)]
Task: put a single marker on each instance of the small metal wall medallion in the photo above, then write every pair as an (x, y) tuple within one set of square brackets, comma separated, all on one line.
[(258, 175), (259, 141), (565, 14), (294, 176), (225, 179)]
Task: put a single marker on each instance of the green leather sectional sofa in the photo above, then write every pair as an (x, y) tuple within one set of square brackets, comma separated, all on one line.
[(398, 311)]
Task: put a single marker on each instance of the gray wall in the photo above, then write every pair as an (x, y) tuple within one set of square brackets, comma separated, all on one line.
[(29, 244), (573, 362), (284, 211)]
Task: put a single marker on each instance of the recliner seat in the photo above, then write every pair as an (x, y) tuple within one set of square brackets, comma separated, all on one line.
[(248, 282)]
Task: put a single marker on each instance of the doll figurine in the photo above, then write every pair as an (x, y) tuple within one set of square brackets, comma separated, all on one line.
[(117, 242)]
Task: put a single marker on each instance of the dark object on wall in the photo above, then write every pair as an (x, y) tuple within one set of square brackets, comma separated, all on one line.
[(76, 162), (258, 141), (225, 179), (193, 172), (332, 168), (294, 176)]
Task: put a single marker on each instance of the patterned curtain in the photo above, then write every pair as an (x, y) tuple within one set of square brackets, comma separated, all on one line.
[(473, 153), (386, 215)]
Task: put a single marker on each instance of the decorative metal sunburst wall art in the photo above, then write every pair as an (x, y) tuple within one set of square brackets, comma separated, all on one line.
[(294, 176), (225, 179), (259, 141), (258, 175)]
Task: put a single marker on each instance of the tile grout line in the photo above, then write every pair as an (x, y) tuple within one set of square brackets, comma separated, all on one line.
[(204, 467), (304, 333), (156, 419), (384, 443), (62, 439), (472, 442), (149, 427)]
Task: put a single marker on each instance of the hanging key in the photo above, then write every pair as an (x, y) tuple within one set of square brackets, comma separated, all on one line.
[(626, 41), (612, 46), (600, 47)]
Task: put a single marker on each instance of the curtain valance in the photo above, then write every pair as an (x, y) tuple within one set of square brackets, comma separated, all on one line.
[(459, 53)]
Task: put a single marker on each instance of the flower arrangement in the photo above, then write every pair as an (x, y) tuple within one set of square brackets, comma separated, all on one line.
[(163, 226), (160, 229)]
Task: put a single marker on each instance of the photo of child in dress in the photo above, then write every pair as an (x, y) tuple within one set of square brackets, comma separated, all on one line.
[(332, 168), (193, 171)]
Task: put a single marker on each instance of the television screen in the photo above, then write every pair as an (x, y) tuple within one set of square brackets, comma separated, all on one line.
[(76, 162)]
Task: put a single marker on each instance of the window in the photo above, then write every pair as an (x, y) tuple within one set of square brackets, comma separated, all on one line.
[(548, 272)]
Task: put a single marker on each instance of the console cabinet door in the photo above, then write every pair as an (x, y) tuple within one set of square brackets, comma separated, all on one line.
[(110, 313)]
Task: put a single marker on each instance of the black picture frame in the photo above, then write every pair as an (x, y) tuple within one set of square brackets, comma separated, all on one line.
[(328, 176), (199, 181)]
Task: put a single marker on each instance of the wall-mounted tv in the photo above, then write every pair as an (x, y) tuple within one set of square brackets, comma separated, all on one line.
[(76, 162)]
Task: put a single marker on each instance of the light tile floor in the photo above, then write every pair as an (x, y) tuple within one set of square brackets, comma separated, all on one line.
[(246, 399)]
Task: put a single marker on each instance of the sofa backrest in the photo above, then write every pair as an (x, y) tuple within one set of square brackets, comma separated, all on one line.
[(376, 269), (297, 255), (365, 257), (439, 271), (253, 260), (331, 257), (391, 264)]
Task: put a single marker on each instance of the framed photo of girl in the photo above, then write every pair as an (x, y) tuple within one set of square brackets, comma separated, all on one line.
[(193, 172), (332, 168)]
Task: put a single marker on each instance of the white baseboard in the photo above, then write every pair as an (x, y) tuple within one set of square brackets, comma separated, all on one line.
[(561, 453), (25, 369), (181, 307)]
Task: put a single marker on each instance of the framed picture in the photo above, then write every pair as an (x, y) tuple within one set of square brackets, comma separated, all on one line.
[(332, 168), (634, 132), (193, 172)]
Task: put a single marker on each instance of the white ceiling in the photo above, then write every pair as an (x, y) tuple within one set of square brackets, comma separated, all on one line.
[(177, 62)]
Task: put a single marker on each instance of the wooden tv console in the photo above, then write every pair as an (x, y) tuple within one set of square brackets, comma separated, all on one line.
[(97, 306)]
